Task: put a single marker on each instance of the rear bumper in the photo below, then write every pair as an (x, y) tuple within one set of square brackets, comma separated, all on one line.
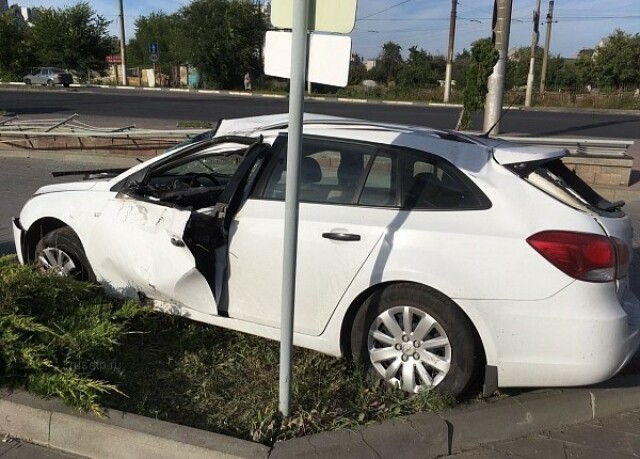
[(582, 335), (63, 80)]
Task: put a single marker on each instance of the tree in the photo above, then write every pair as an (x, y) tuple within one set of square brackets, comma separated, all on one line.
[(617, 62), (483, 58), (357, 70), (460, 65), (74, 37), (518, 68), (584, 69), (168, 31), (390, 62), (225, 39), (421, 68), (15, 52)]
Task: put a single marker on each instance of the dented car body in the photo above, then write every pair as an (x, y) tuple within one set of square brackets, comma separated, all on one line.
[(429, 255)]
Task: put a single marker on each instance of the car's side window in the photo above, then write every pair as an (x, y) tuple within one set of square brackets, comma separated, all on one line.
[(380, 186), (330, 171), (432, 183)]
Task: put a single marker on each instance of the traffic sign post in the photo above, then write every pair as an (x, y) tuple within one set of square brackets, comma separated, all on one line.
[(328, 16)]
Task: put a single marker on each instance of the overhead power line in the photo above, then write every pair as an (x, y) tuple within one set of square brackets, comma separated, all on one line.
[(384, 10)]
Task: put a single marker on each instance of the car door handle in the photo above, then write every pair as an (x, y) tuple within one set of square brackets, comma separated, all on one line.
[(177, 242), (341, 236)]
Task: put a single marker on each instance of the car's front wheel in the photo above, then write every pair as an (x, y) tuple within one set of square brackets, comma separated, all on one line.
[(50, 83), (27, 81), (415, 338), (60, 252)]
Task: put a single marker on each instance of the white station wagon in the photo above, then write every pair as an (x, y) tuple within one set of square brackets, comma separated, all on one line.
[(433, 257)]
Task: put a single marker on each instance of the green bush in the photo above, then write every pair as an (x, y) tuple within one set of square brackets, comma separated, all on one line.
[(55, 332)]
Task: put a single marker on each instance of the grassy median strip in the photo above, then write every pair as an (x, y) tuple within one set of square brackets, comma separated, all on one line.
[(63, 338)]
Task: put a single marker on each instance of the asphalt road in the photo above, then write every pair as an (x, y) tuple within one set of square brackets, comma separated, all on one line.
[(163, 109)]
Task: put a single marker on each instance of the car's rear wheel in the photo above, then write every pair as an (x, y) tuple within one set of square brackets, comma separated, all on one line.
[(66, 85), (60, 252), (415, 338)]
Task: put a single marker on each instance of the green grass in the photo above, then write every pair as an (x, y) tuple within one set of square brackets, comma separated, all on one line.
[(225, 381), (62, 338), (193, 124)]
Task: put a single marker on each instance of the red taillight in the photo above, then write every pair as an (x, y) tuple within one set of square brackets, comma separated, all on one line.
[(588, 257)]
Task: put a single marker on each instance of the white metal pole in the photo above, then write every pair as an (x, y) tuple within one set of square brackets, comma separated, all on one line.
[(123, 45), (452, 37), (535, 37), (294, 149), (495, 94), (547, 44)]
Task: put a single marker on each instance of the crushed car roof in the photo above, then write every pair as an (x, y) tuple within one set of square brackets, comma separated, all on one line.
[(439, 141)]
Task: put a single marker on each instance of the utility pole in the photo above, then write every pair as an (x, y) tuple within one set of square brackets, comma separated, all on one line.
[(547, 42), (535, 37), (452, 36), (495, 86), (122, 45)]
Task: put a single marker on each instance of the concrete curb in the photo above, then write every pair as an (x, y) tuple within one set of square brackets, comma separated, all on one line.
[(50, 423), (427, 435)]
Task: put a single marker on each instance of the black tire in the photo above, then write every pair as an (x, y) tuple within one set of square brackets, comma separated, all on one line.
[(58, 244), (50, 83), (27, 82), (66, 85), (462, 354)]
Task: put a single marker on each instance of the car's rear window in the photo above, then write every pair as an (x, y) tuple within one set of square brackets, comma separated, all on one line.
[(556, 179)]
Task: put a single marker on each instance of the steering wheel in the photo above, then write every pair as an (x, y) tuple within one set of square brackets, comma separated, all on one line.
[(203, 180)]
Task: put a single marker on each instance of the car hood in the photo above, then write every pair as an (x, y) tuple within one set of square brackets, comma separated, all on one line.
[(69, 186)]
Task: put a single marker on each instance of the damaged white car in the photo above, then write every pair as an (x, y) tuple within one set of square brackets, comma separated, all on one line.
[(432, 256)]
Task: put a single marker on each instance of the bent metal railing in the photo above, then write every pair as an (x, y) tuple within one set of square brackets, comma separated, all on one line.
[(577, 146), (33, 133)]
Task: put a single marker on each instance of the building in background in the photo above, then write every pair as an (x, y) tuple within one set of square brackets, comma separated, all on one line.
[(21, 12)]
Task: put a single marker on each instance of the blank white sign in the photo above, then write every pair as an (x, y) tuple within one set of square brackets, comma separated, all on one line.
[(329, 57), (324, 15)]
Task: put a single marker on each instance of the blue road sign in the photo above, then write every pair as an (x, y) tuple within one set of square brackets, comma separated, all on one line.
[(153, 48)]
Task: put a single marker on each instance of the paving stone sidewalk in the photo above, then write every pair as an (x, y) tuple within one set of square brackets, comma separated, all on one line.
[(15, 449), (613, 437)]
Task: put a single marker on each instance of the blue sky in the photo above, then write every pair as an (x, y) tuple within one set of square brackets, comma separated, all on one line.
[(425, 23)]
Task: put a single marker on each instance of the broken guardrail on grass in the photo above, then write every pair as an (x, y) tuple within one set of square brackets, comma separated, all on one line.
[(69, 134)]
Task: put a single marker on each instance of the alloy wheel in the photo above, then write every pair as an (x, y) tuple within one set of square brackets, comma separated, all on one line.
[(409, 349), (56, 261)]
